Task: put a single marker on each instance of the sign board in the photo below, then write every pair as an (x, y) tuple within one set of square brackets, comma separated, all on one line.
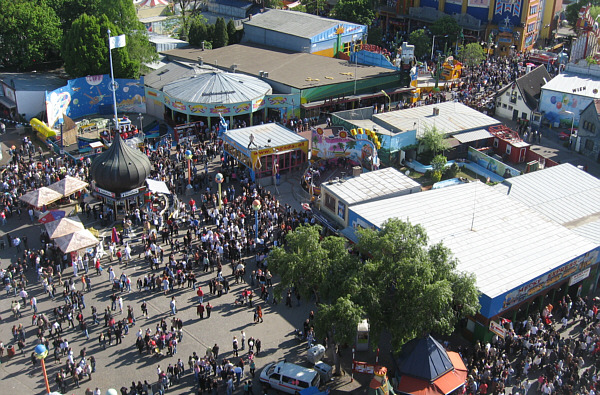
[(362, 367), (497, 329), (580, 276)]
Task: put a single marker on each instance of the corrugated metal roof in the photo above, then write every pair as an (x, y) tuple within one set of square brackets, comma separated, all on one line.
[(499, 239), (278, 135), (453, 118), (294, 23), (217, 87), (170, 72), (475, 135), (373, 185), (295, 69), (562, 193), (567, 82), (32, 81)]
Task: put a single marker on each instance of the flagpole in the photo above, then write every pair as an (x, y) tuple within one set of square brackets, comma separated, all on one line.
[(114, 91)]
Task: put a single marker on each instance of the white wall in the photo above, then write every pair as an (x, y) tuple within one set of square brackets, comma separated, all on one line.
[(507, 112), (30, 103)]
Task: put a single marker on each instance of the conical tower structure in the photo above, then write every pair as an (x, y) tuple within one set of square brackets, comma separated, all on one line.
[(120, 168)]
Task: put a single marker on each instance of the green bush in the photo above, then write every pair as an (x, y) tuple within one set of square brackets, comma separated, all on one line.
[(451, 171), (436, 176)]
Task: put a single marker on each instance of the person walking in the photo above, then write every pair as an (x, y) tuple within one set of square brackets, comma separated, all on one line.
[(235, 346), (200, 311), (208, 309), (173, 305)]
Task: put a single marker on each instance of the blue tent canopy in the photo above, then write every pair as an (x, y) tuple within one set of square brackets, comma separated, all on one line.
[(423, 358)]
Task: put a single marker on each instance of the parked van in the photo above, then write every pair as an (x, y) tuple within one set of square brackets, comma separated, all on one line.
[(288, 377)]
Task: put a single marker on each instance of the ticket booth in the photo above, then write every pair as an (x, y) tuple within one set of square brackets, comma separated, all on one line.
[(362, 336)]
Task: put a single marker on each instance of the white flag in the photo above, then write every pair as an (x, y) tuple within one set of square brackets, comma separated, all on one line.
[(117, 41)]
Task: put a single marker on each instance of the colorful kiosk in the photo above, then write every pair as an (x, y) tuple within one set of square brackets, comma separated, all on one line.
[(266, 150)]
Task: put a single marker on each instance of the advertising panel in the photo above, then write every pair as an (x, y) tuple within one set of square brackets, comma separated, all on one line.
[(545, 281), (93, 95)]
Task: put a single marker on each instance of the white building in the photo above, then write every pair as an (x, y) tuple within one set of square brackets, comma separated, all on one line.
[(520, 99)]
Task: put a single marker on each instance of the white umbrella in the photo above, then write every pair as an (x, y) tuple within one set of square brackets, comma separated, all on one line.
[(41, 197), (68, 185), (63, 227), (76, 241)]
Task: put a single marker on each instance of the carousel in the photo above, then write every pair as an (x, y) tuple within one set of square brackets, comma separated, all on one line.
[(209, 95)]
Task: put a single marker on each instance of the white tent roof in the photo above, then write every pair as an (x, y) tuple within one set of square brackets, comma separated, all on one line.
[(158, 186), (76, 241), (63, 227), (152, 3), (214, 87)]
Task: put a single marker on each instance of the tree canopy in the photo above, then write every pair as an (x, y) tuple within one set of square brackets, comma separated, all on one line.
[(355, 11), (221, 37), (445, 26), (411, 288), (30, 34), (85, 49), (472, 54), (421, 41), (433, 141), (405, 286)]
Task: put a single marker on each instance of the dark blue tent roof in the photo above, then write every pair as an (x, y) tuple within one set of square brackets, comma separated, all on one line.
[(423, 358)]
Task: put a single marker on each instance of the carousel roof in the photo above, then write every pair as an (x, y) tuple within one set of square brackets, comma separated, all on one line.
[(217, 87), (120, 168)]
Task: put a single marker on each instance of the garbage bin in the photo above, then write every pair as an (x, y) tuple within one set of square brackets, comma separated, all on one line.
[(315, 353), (11, 351), (324, 370)]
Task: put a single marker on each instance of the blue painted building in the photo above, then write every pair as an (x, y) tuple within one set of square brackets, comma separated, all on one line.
[(302, 32)]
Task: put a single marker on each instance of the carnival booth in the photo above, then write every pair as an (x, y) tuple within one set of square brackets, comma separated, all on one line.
[(266, 150)]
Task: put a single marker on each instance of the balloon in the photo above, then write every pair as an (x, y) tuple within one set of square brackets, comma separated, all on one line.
[(559, 105), (553, 99)]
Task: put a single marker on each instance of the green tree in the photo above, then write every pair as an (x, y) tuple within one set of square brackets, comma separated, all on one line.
[(69, 10), (198, 31), (338, 322), (307, 260), (375, 36), (232, 32), (409, 287), (472, 54), (122, 14), (221, 38), (85, 49), (433, 140), (445, 26), (572, 10), (188, 10), (422, 43), (439, 162), (355, 11), (30, 34)]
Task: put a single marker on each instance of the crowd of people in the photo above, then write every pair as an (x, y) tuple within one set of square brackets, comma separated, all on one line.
[(207, 244), (552, 352)]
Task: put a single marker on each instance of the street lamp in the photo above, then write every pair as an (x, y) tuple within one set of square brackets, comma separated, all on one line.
[(433, 43), (256, 207), (219, 180), (141, 118), (389, 99), (41, 352), (188, 156), (572, 114)]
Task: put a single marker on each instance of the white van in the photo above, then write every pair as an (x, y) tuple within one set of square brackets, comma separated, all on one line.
[(288, 377)]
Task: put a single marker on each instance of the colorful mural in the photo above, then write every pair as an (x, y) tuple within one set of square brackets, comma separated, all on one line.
[(93, 95), (491, 164), (359, 148), (562, 107)]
